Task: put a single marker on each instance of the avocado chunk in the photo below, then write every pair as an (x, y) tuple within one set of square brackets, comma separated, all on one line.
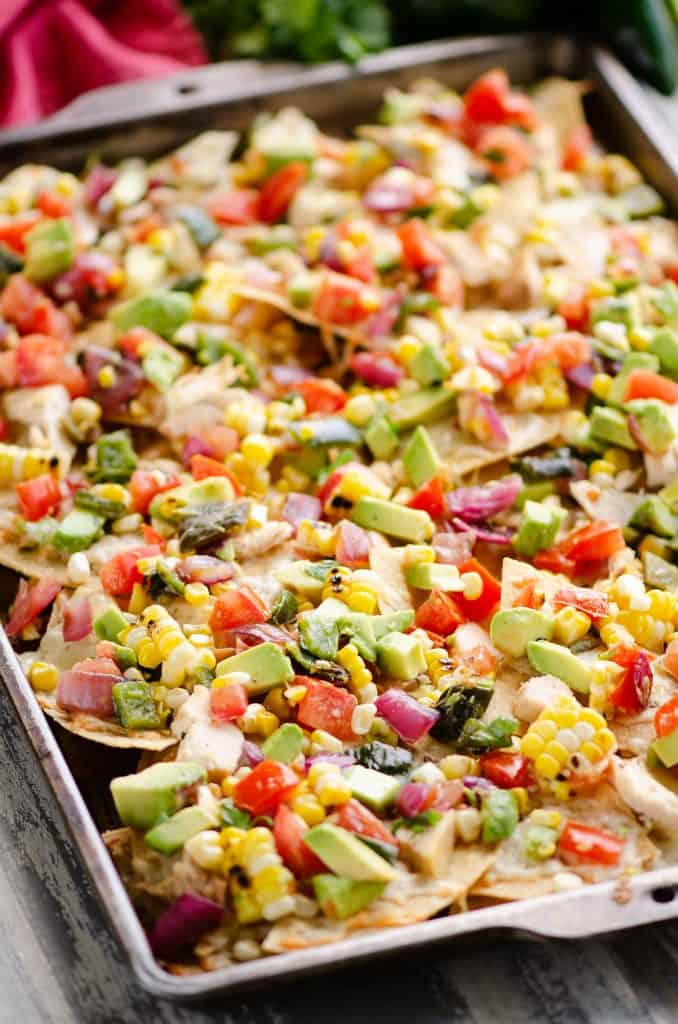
[(553, 660), (265, 664), (430, 850), (295, 576), (420, 458), (664, 346), (511, 630), (173, 505), (610, 426), (110, 624), (162, 312), (653, 423), (666, 749), (401, 656), (380, 437), (388, 517), (538, 527), (374, 789), (659, 572), (422, 407), (134, 704), (169, 836), (618, 310), (429, 365), (162, 366), (148, 797), (50, 250), (77, 531), (669, 495), (390, 622), (346, 855), (340, 898), (433, 576), (654, 516), (285, 744)]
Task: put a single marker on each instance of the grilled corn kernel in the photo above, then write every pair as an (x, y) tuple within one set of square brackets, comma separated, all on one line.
[(575, 739), (321, 741), (257, 719), (600, 385), (317, 537), (43, 676), (295, 694), (275, 703), (468, 824), (147, 653), (196, 593), (258, 450), (547, 818), (350, 659), (473, 585), (662, 605), (455, 766), (362, 718), (612, 633), (78, 568), (205, 849), (417, 553), (308, 807), (360, 409), (601, 467), (619, 458), (407, 348), (569, 626)]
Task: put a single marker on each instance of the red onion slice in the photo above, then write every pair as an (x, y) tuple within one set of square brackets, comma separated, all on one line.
[(483, 533), (205, 569), (377, 369), (182, 924), (454, 548), (413, 798), (478, 503), (77, 619), (301, 506), (410, 719)]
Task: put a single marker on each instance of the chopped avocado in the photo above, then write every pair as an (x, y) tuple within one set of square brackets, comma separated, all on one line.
[(501, 814), (380, 437), (401, 656), (319, 635), (124, 656), (664, 345), (359, 628), (433, 576), (654, 516), (162, 366), (115, 458), (421, 407), (666, 749), (669, 495), (284, 744), (173, 505), (534, 492), (300, 289), (610, 426), (632, 361), (641, 201), (162, 312), (280, 236), (295, 576), (169, 836), (659, 572), (653, 423), (50, 250), (538, 527), (372, 788), (429, 365), (420, 458), (330, 430), (134, 704), (554, 660), (110, 624), (266, 665), (391, 622), (77, 531), (344, 854), (618, 310), (147, 797), (340, 898), (384, 758), (511, 630), (459, 704), (388, 517)]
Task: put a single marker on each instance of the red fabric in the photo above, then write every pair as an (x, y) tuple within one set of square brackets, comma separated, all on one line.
[(52, 50)]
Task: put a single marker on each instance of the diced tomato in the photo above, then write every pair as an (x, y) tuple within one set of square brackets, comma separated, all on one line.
[(671, 658), (482, 606), (591, 845), (672, 272), (5, 431), (146, 226), (633, 691), (419, 249), (221, 440), (553, 560), (448, 794), (569, 349), (484, 100), (430, 498), (576, 147), (361, 265), (13, 230), (575, 308), (152, 536), (647, 384), (504, 151), (202, 467), (446, 284), (327, 707), (146, 483), (119, 574), (340, 299), (666, 717), (41, 360), (327, 489), (31, 311), (131, 342), (30, 601), (261, 791), (439, 613), (593, 542), (53, 204), (235, 608), (9, 369), (239, 207), (591, 602), (288, 831), (322, 395), (506, 770), (519, 111), (38, 497), (355, 817), (228, 702), (528, 596), (279, 190)]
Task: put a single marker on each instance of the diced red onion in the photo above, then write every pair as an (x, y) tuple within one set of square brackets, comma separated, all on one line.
[(88, 278), (341, 760), (204, 569), (287, 376), (253, 634), (478, 503), (581, 376), (381, 323), (89, 692), (30, 602), (195, 446), (353, 545), (454, 548), (388, 196), (485, 534), (182, 924), (493, 361), (413, 798), (329, 251), (259, 275), (495, 424), (251, 754), (477, 782), (301, 506), (410, 719), (97, 183), (377, 369), (129, 378), (77, 619)]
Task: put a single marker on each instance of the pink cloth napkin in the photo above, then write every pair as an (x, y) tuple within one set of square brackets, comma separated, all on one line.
[(51, 50)]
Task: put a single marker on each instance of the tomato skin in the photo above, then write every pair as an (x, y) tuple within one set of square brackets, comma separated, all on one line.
[(31, 311), (321, 395), (278, 191), (504, 152), (30, 601), (13, 232), (202, 467), (38, 497), (239, 207), (553, 560), (439, 613), (591, 602), (288, 831), (506, 770), (120, 573), (340, 299), (152, 536), (419, 249), (590, 845), (479, 609), (484, 100), (235, 608), (666, 718), (9, 369), (228, 702), (355, 817), (261, 791), (593, 542), (647, 384), (446, 284), (576, 309), (53, 204), (671, 659), (144, 486), (41, 360), (430, 498), (576, 148), (634, 689), (327, 707), (221, 440)]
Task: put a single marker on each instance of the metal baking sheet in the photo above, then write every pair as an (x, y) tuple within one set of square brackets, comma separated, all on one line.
[(147, 118)]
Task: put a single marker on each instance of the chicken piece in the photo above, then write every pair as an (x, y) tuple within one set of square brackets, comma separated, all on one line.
[(536, 694), (258, 542), (39, 412), (644, 793), (216, 747), (429, 852)]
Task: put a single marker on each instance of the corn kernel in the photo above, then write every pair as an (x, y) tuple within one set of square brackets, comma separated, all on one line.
[(600, 385), (545, 729), (601, 467), (360, 409), (275, 703), (547, 818), (107, 376), (557, 751), (322, 740), (531, 745), (308, 807), (407, 348), (415, 554), (547, 766), (473, 585), (205, 849), (148, 655), (43, 676), (570, 625), (619, 458), (455, 766), (295, 694), (196, 593), (258, 450)]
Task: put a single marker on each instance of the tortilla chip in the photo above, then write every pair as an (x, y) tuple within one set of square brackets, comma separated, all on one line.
[(302, 316), (108, 733), (30, 563), (606, 502), (387, 563), (636, 732), (515, 574)]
